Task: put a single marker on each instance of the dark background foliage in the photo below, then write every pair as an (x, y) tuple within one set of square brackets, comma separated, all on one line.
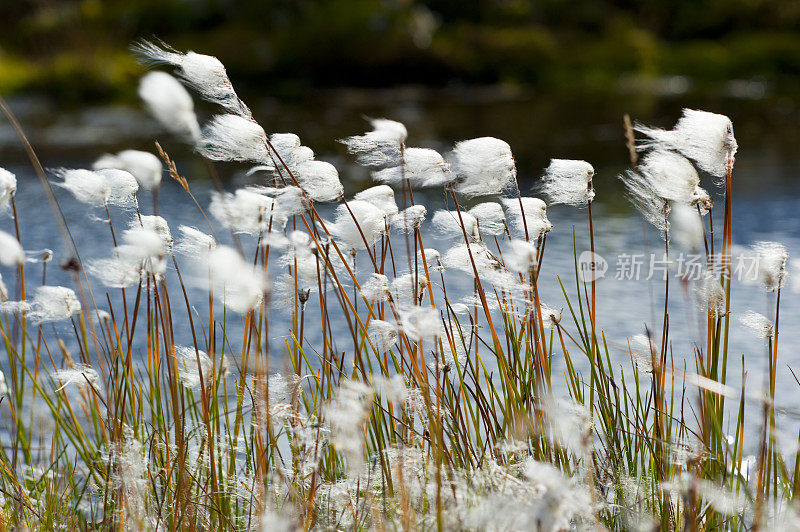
[(78, 49)]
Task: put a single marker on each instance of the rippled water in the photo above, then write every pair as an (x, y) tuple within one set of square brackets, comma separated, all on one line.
[(766, 193)]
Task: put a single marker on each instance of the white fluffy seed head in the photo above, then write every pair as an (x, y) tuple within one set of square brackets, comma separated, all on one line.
[(246, 211), (759, 324), (3, 292), (53, 303), (204, 73), (772, 257), (421, 323), (407, 220), (484, 166), (568, 181), (232, 137), (422, 167), (79, 374), (450, 224), (170, 104), (534, 221), (190, 372), (709, 294), (706, 138), (382, 196), (491, 218), (194, 242), (381, 147), (520, 256), (458, 258), (642, 195), (142, 252), (550, 317), (674, 178), (157, 225), (687, 227), (144, 166), (376, 288), (236, 282), (358, 224), (11, 252), (87, 186), (8, 188), (409, 287), (320, 180), (122, 187)]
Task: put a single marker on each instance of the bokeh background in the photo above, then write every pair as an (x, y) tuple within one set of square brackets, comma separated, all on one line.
[(77, 49)]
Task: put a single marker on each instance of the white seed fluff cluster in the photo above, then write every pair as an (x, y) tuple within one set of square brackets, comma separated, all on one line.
[(381, 147), (568, 181), (706, 138), (87, 186), (771, 257), (484, 166), (358, 224), (11, 252), (203, 73), (530, 217), (8, 188), (170, 104), (410, 219), (759, 324), (232, 137), (144, 166)]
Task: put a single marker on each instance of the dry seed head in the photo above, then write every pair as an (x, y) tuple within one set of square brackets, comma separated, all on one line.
[(376, 288), (87, 186), (382, 196), (355, 215), (144, 166), (490, 217), (204, 73), (772, 257), (568, 181), (706, 138), (320, 180), (170, 104), (406, 221), (233, 138), (449, 223), (8, 188), (759, 324), (484, 166), (11, 252), (122, 187), (535, 216)]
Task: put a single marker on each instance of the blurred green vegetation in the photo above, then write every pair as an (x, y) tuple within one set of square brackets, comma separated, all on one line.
[(78, 49)]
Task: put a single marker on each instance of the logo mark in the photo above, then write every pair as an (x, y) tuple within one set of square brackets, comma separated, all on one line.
[(591, 266)]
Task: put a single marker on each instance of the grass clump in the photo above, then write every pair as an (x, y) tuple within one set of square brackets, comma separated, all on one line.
[(394, 400)]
